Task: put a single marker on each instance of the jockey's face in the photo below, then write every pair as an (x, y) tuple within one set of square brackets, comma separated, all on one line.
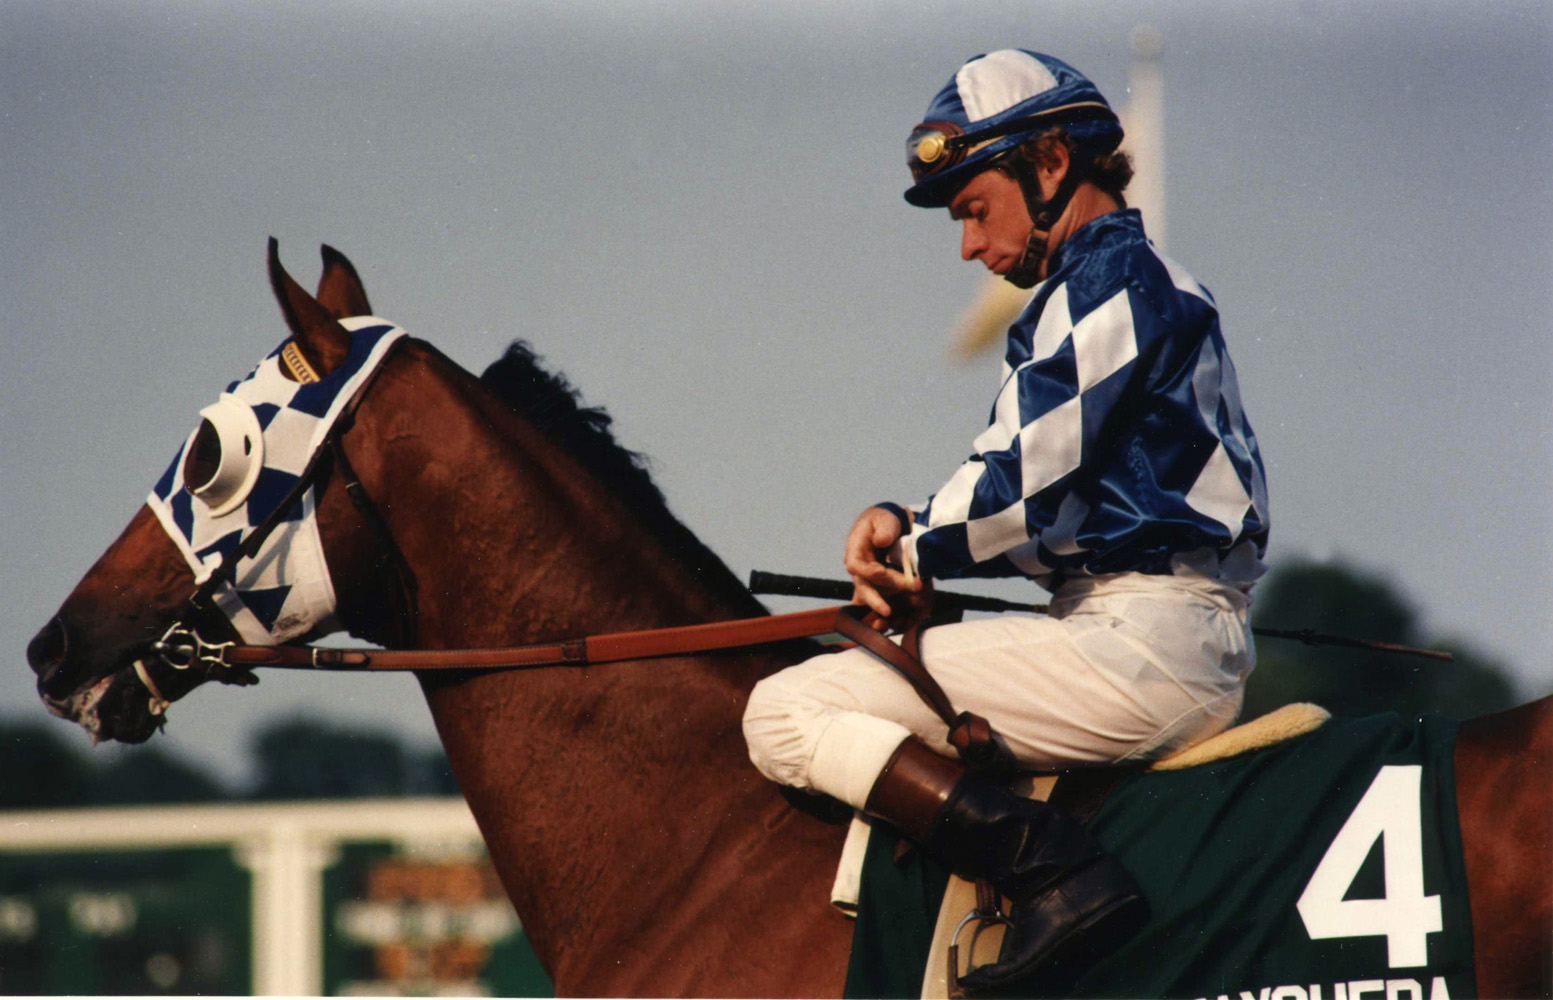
[(994, 223)]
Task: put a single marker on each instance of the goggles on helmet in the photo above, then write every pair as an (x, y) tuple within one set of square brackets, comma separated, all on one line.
[(935, 146), (931, 148)]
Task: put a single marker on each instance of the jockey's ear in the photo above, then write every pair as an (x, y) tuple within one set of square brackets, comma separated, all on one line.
[(324, 342), (340, 290)]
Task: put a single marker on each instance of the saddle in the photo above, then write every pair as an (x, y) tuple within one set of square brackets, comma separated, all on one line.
[(958, 925)]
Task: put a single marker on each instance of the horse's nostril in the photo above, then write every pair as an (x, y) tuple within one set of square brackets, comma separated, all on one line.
[(48, 649)]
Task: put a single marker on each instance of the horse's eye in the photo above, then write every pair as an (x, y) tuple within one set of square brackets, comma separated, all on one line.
[(223, 458), (204, 458)]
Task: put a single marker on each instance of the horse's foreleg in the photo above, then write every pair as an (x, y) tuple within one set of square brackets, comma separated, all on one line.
[(1504, 798)]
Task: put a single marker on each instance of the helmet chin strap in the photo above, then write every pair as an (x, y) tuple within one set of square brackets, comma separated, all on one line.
[(1043, 215), (1026, 272)]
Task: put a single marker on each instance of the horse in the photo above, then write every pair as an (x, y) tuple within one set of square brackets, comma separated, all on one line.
[(641, 849)]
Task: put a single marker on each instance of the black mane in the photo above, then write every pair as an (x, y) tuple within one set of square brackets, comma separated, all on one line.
[(552, 406)]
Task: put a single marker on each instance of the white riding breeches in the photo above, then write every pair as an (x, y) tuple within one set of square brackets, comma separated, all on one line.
[(1126, 667)]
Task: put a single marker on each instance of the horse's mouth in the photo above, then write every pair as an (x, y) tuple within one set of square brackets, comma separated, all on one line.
[(117, 707), (81, 707), (117, 689)]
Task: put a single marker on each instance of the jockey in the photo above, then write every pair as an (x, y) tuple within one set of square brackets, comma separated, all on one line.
[(1118, 471)]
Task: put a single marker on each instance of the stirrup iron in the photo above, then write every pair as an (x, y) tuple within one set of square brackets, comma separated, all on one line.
[(987, 913)]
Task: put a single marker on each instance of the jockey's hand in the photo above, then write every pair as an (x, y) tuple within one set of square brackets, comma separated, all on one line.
[(874, 581)]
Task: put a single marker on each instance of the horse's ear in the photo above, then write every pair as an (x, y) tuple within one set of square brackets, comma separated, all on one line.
[(340, 290), (324, 342)]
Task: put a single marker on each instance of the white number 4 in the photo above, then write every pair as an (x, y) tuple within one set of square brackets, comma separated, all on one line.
[(1406, 917)]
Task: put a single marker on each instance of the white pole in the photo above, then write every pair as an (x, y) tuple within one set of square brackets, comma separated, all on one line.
[(1143, 118), (287, 862)]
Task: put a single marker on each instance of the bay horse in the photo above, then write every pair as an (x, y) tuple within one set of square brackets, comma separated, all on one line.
[(640, 847)]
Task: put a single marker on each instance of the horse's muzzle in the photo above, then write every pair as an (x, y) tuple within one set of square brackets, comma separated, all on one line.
[(48, 653), (108, 706)]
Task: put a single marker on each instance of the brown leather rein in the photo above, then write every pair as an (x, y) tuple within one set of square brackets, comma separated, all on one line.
[(182, 647), (610, 647), (969, 733)]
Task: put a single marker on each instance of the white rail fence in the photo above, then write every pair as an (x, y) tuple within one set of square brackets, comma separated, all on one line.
[(285, 846)]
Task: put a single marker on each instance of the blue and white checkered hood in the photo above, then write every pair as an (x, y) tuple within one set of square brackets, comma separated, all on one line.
[(284, 591)]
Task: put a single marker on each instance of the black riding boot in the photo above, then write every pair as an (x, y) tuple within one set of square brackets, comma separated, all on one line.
[(1071, 900)]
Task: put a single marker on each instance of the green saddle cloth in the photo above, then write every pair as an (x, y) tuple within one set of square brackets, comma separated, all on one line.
[(1223, 852), (897, 907)]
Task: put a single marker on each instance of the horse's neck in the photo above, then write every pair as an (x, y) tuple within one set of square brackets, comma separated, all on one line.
[(618, 800)]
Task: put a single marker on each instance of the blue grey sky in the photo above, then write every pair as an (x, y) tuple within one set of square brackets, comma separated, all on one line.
[(694, 210)]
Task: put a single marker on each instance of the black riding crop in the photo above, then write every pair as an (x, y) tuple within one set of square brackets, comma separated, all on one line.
[(762, 582)]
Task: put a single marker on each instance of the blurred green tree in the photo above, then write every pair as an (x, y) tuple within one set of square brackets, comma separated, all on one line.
[(1342, 600), (303, 758), (39, 769), (296, 758), (428, 772), (148, 775)]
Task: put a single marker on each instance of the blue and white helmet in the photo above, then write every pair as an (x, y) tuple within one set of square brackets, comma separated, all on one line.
[(991, 105)]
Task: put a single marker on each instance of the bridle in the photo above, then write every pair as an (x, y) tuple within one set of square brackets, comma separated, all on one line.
[(183, 648)]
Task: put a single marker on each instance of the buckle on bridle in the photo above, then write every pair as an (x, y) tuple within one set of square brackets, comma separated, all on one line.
[(181, 647)]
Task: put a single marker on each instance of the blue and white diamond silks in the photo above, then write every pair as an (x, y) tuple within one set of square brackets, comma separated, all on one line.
[(284, 591), (1117, 442)]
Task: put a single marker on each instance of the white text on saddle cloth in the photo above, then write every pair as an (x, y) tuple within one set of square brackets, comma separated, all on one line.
[(284, 591)]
